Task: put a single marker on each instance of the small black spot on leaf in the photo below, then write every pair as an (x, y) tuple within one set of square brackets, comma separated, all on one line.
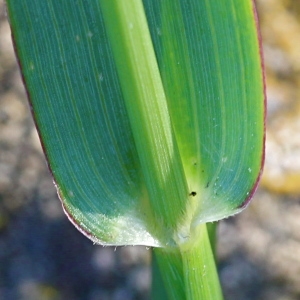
[(193, 194)]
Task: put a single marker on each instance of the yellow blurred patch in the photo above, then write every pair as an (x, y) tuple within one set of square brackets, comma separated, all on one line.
[(288, 183)]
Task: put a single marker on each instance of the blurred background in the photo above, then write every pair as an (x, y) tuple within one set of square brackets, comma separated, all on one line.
[(43, 257)]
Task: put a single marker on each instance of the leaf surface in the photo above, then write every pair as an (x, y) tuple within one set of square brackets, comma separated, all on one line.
[(212, 71), (132, 169)]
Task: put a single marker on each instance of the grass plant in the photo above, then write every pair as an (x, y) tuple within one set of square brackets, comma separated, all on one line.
[(151, 115)]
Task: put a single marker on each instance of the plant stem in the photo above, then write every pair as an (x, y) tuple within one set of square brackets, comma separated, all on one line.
[(212, 234), (158, 289), (189, 271)]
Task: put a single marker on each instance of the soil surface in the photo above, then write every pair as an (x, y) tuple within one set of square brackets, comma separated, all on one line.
[(42, 256)]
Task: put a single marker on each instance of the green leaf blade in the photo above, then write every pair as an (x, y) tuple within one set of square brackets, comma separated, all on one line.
[(202, 160), (211, 68), (82, 121)]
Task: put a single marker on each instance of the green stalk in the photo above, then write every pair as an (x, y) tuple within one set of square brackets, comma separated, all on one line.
[(189, 271), (147, 108), (158, 289), (212, 234)]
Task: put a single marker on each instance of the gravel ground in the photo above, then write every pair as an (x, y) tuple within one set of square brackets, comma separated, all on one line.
[(42, 256)]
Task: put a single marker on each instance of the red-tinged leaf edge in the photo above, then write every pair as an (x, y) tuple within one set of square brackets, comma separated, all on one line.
[(255, 186)]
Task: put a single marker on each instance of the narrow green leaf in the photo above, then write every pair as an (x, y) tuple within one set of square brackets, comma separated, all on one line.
[(151, 113), (147, 109), (208, 55), (73, 86)]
